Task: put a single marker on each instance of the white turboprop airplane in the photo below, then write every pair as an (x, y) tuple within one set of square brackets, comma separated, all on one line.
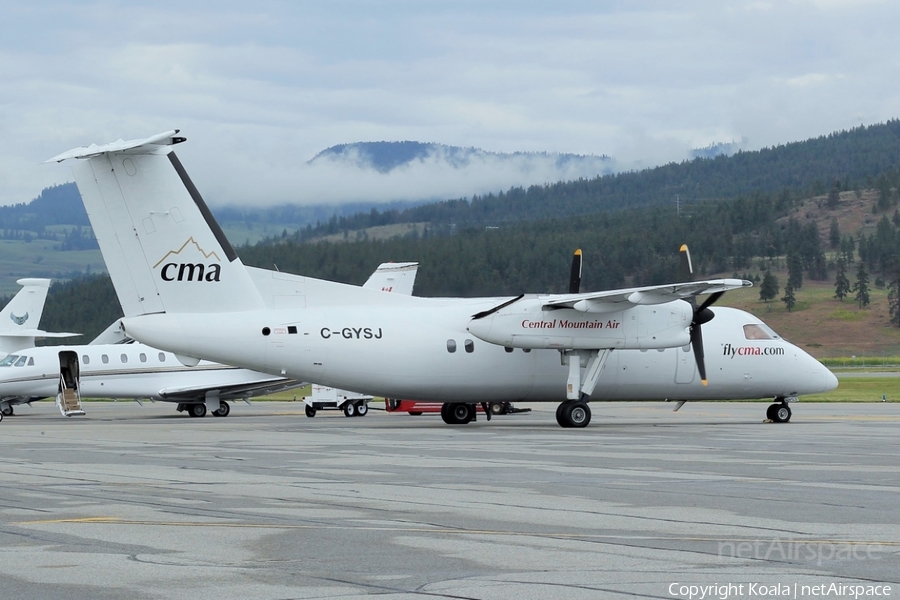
[(182, 287), (126, 369)]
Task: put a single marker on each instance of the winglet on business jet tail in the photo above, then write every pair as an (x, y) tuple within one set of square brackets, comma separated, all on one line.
[(163, 249)]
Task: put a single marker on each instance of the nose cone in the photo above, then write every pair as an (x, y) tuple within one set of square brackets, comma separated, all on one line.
[(831, 381), (821, 378)]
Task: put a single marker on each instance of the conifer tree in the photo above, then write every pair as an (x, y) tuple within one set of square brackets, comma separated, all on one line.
[(789, 299), (768, 290), (861, 287), (841, 283)]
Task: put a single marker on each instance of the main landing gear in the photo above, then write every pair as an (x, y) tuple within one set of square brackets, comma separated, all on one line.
[(457, 413), (198, 409), (573, 413), (779, 412)]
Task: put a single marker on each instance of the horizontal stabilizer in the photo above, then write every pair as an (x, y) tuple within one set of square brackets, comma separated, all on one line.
[(148, 145)]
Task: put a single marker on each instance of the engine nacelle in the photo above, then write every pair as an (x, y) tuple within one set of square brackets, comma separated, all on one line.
[(527, 324)]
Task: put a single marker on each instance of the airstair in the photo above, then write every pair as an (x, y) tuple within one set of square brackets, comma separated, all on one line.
[(68, 398)]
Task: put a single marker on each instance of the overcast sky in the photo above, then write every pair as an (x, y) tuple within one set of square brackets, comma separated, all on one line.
[(260, 87)]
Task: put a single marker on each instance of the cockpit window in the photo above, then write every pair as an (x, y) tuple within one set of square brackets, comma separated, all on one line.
[(9, 360), (21, 362), (756, 331)]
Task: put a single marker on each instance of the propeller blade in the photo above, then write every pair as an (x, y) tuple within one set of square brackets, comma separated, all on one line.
[(491, 311), (697, 346), (575, 276), (686, 267), (713, 298)]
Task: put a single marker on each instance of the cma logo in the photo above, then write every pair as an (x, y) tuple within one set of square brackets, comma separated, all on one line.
[(174, 266), (18, 320), (190, 272)]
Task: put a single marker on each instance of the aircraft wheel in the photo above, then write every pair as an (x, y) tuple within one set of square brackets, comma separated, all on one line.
[(362, 409), (559, 415), (770, 411), (463, 413), (349, 410), (7, 411), (1, 416), (223, 411), (310, 411), (782, 413), (574, 414), (447, 414), (497, 408), (197, 410)]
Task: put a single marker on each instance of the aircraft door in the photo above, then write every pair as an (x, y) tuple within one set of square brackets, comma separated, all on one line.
[(68, 397)]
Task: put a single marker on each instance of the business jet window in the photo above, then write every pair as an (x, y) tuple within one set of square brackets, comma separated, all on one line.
[(21, 362), (124, 358), (507, 348), (85, 359), (451, 346), (470, 346), (30, 362), (9, 360), (759, 332), (143, 357), (162, 357), (104, 359)]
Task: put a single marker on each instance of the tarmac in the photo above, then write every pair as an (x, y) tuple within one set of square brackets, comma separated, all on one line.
[(145, 503)]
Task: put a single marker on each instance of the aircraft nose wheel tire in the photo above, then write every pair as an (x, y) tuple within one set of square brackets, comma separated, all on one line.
[(7, 412), (362, 409), (573, 414), (349, 410), (779, 413), (223, 411), (310, 411), (197, 410)]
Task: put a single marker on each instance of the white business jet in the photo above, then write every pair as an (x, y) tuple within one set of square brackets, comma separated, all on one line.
[(183, 288), (115, 366)]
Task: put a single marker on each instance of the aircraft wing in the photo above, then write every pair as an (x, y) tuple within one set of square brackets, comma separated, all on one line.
[(231, 391), (653, 294)]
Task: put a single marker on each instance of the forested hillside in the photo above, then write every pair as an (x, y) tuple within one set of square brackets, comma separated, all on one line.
[(854, 158)]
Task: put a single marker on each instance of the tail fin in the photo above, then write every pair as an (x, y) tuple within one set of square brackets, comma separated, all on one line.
[(163, 249), (20, 318)]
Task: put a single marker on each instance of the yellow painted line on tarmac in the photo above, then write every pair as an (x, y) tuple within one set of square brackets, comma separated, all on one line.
[(456, 531)]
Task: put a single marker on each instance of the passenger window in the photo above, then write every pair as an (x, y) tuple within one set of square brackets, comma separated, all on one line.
[(85, 359), (451, 346), (758, 332), (143, 357), (104, 359), (162, 357), (21, 362), (124, 358), (9, 360), (470, 346)]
